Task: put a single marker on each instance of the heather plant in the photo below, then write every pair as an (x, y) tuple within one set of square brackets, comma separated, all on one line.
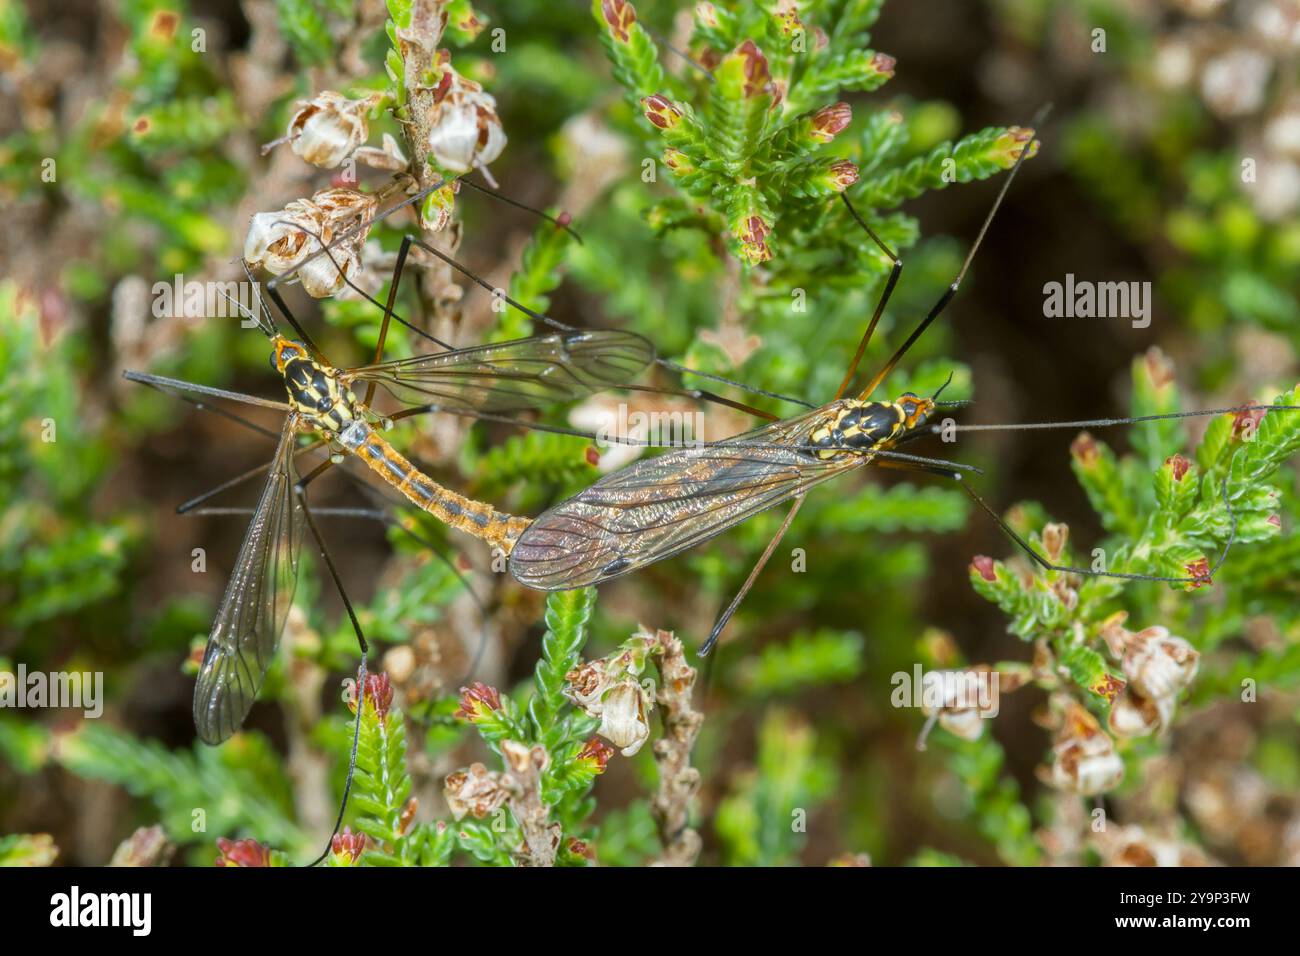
[(701, 155)]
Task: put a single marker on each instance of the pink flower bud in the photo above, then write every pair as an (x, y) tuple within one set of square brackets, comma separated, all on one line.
[(830, 121), (661, 112), (619, 17)]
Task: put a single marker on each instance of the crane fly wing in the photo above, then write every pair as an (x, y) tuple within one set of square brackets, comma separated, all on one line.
[(253, 610), (658, 507), (511, 376)]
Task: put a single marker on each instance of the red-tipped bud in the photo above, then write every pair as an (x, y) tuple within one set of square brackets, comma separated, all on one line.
[(596, 754), (246, 853), (1107, 686), (1199, 571), (408, 815), (758, 78), (660, 111), (1245, 422), (1085, 450), (1158, 367), (1178, 466), (1011, 144), (830, 121), (478, 702), (883, 64), (379, 693), (752, 233), (619, 17), (842, 174), (678, 161), (984, 566), (348, 846)]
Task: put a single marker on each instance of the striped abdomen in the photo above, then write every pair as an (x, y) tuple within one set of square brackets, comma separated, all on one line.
[(464, 514)]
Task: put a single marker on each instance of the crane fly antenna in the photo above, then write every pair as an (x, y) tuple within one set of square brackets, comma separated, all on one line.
[(1107, 422), (359, 229), (388, 311)]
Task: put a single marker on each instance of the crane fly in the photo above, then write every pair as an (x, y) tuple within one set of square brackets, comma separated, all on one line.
[(513, 376), (481, 382), (659, 507), (322, 399)]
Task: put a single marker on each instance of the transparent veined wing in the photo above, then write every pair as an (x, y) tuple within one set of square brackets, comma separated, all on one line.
[(659, 507), (511, 376), (255, 605)]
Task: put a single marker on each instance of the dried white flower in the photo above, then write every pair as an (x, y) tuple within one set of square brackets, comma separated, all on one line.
[(282, 241), (623, 717), (1155, 662), (278, 240), (328, 128), (390, 157), (477, 792), (465, 131), (1084, 761), (1135, 715)]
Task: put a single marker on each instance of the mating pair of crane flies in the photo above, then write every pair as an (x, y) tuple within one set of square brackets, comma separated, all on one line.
[(648, 511)]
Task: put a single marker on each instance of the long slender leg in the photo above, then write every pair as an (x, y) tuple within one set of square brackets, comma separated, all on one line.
[(702, 395), (894, 274), (388, 311), (753, 576), (557, 324), (1047, 565), (560, 222), (162, 384), (189, 506), (961, 274), (402, 253), (301, 492)]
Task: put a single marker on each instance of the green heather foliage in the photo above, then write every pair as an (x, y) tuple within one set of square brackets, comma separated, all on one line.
[(708, 198)]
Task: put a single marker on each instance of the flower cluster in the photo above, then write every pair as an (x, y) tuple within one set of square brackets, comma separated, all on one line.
[(293, 238), (465, 130), (611, 688), (1158, 666), (1084, 760)]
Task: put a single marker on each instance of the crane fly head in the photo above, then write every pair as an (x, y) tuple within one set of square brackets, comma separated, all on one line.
[(284, 351), (914, 410)]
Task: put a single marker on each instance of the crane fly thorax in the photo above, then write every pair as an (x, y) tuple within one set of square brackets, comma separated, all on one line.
[(857, 427), (315, 392)]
